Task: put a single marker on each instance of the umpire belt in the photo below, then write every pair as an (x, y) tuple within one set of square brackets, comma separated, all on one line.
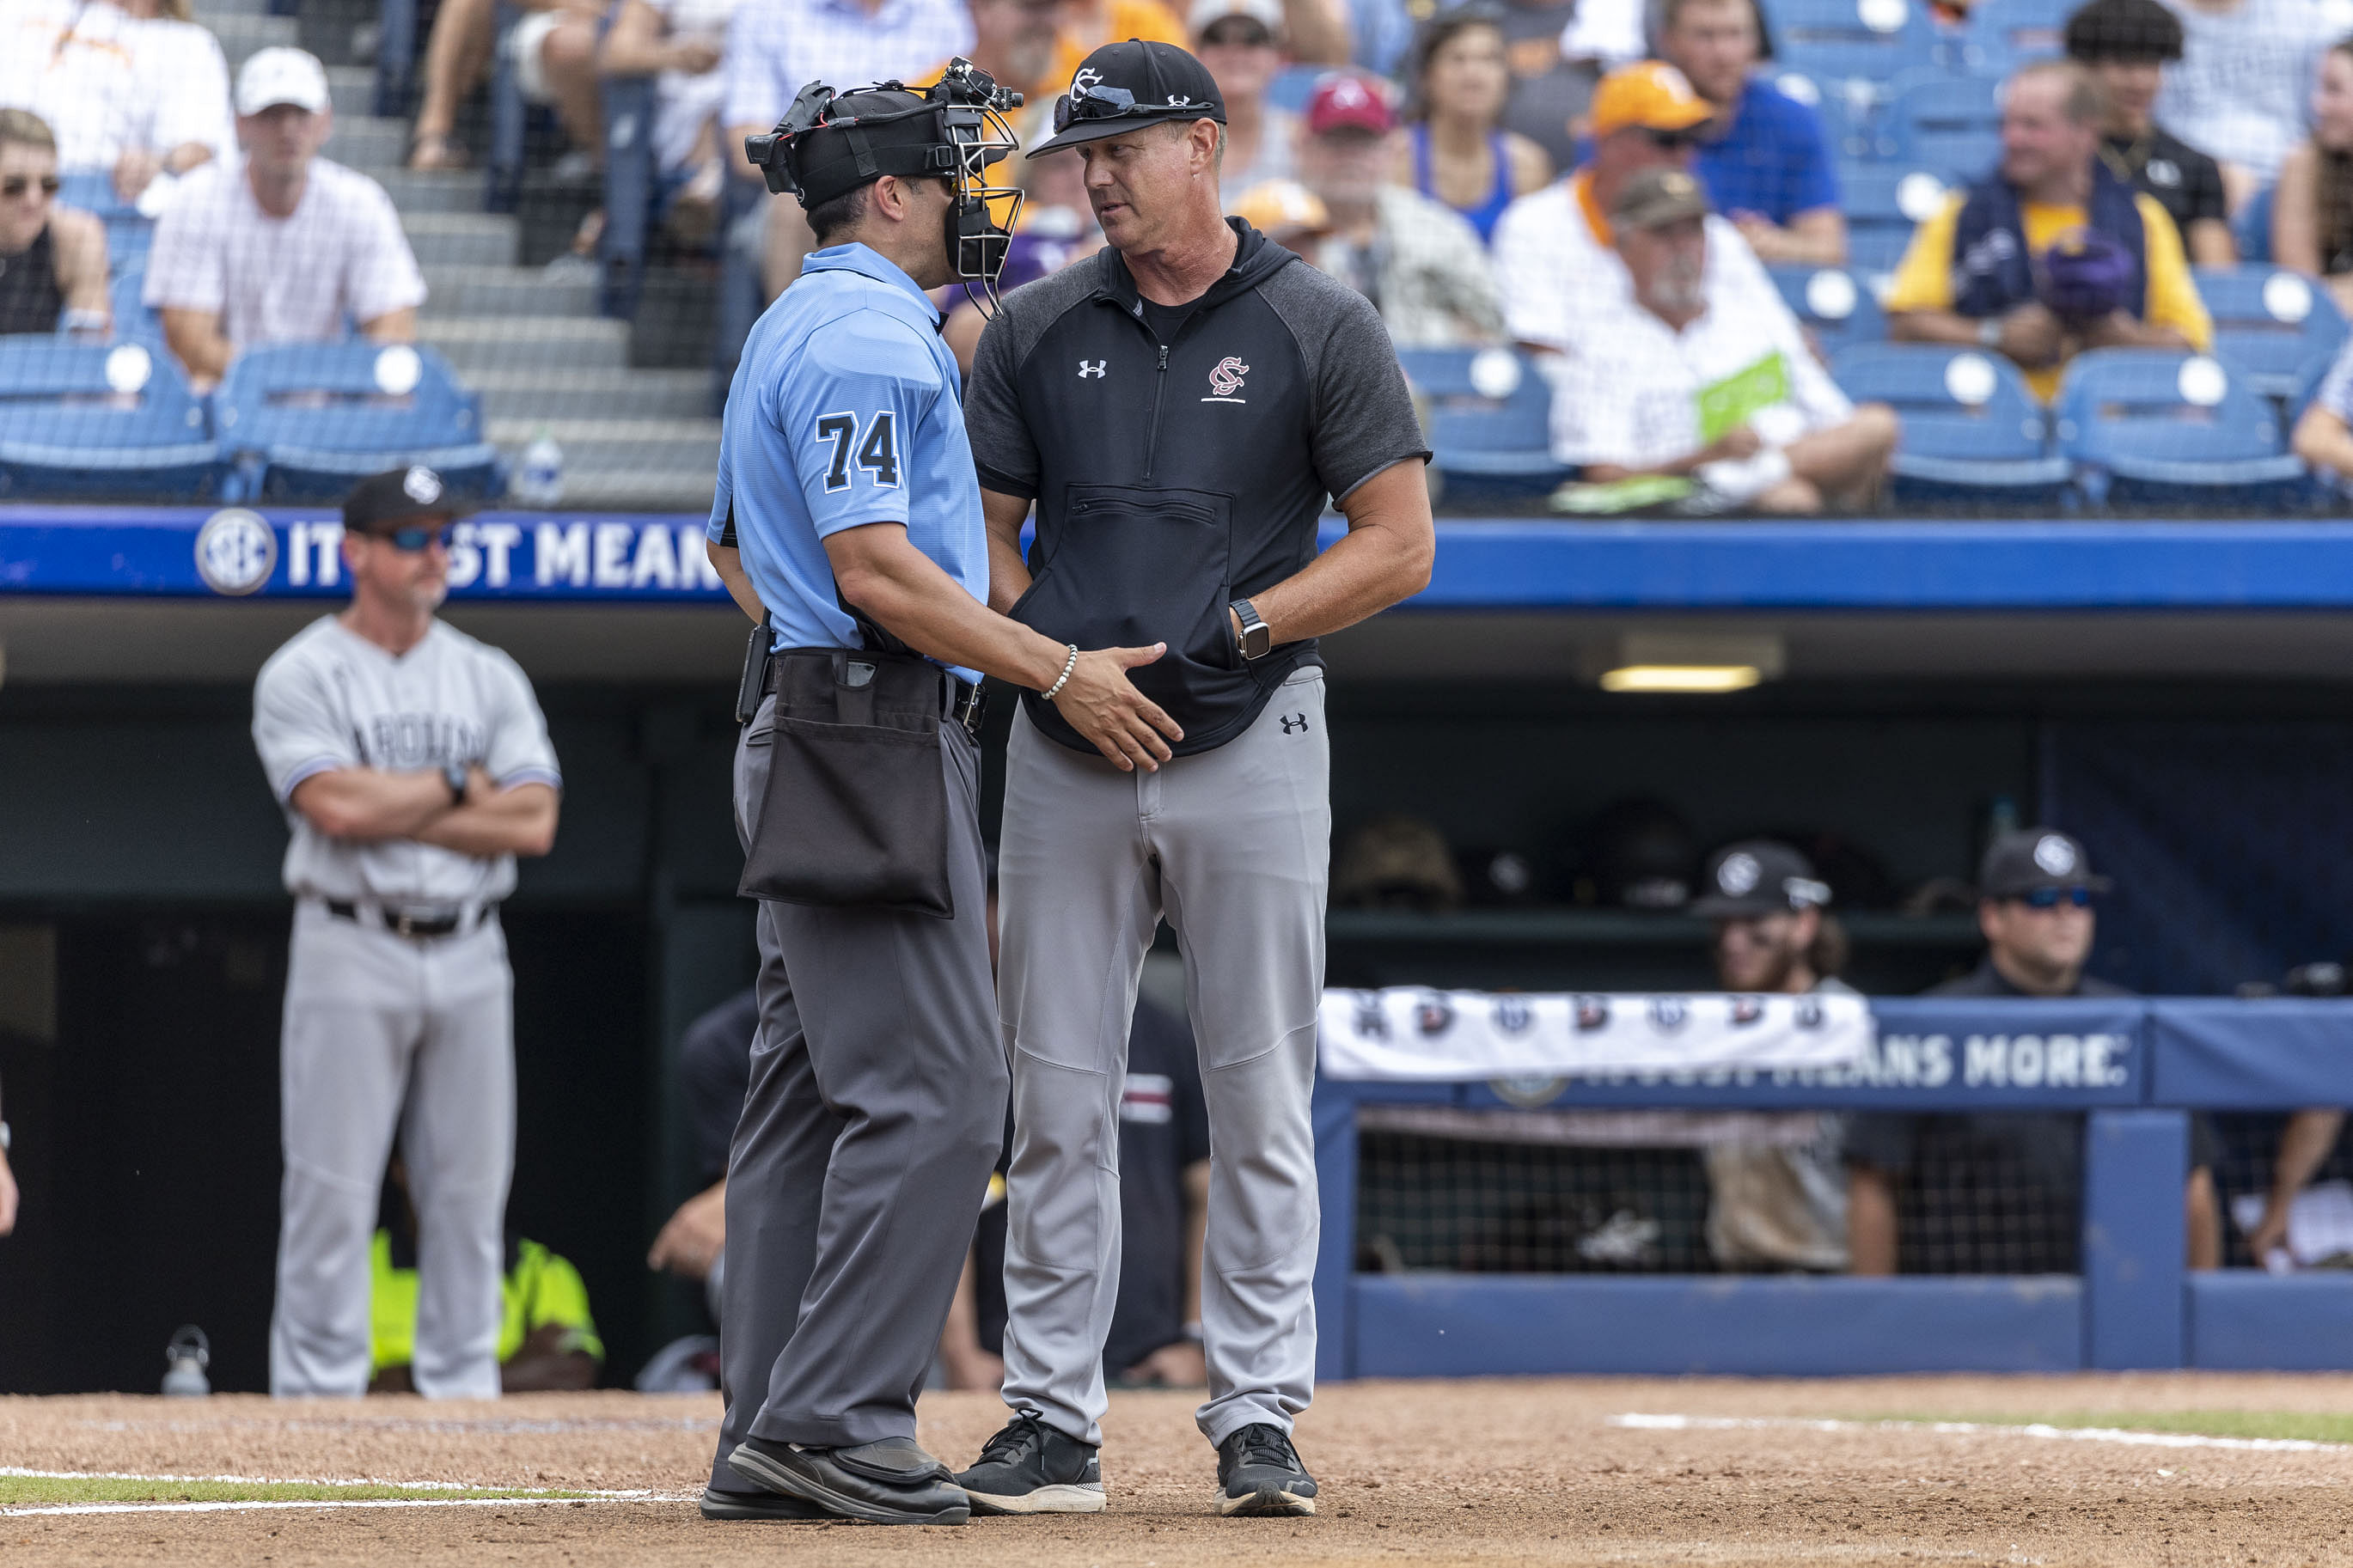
[(416, 924), (960, 699)]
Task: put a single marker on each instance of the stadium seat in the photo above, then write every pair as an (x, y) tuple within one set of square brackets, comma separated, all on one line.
[(133, 321), (1951, 124), (2268, 323), (1883, 203), (1835, 305), (1971, 429), (94, 420), (1849, 111), (2158, 426), (301, 421), (2002, 34), (1867, 41), (1490, 420)]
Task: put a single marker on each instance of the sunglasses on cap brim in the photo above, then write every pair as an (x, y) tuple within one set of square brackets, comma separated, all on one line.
[(1099, 103), (2051, 898)]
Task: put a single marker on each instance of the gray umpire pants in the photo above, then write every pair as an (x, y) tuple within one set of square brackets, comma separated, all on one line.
[(1233, 847), (873, 1116), (387, 1033)]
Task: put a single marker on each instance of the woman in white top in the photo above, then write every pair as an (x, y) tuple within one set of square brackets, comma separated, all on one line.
[(134, 90)]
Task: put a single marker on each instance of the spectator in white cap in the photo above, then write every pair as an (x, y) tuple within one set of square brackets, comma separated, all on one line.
[(1417, 260), (283, 245), (134, 91)]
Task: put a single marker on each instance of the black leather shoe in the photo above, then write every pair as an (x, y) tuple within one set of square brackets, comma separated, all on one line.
[(1259, 1474), (891, 1481), (717, 1504)]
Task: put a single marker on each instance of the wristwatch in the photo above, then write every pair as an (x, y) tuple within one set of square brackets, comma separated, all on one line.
[(1258, 639), (1989, 332), (454, 775)]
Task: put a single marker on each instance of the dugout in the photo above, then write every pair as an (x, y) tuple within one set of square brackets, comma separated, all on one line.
[(2174, 693)]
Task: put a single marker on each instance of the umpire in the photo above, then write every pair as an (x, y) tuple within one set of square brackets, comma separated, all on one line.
[(1178, 408), (848, 521)]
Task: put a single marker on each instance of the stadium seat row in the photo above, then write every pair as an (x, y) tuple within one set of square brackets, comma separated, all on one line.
[(295, 423)]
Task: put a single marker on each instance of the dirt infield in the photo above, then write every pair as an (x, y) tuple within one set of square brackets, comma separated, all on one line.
[(1425, 1472)]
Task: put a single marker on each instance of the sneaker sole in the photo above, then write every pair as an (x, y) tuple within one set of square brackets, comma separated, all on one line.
[(1075, 1497), (1266, 1502), (750, 1462)]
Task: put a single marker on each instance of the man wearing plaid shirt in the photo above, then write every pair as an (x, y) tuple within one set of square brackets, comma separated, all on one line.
[(774, 47)]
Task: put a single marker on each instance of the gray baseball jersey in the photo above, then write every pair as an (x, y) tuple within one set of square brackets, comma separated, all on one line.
[(330, 698)]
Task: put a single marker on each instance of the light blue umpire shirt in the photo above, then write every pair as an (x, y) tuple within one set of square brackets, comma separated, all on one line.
[(845, 411)]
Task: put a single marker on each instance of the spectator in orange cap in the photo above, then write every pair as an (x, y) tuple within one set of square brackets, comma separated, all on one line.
[(1554, 256)]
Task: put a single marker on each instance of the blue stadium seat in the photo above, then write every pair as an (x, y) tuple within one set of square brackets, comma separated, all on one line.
[(1849, 111), (2158, 426), (2251, 230), (1883, 203), (133, 322), (1971, 429), (2268, 323), (2002, 34), (2308, 377), (1951, 124), (1835, 305), (301, 421), (96, 420), (1490, 420), (1868, 41)]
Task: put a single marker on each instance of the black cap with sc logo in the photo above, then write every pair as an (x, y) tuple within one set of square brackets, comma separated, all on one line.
[(1124, 85)]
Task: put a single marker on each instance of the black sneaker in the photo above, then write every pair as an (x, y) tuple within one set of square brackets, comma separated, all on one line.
[(890, 1481), (1031, 1468), (1258, 1473), (717, 1504)]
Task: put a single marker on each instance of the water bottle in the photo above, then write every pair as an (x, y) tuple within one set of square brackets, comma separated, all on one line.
[(187, 1356), (539, 482)]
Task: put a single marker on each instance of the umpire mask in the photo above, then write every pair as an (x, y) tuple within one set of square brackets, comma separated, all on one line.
[(829, 144)]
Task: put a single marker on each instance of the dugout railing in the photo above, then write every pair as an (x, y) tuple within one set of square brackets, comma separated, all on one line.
[(2135, 1070)]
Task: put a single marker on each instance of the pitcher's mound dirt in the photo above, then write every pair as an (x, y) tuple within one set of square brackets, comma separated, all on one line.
[(1424, 1472)]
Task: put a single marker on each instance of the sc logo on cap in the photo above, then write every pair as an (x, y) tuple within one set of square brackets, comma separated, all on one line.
[(2054, 855), (1739, 873), (421, 485)]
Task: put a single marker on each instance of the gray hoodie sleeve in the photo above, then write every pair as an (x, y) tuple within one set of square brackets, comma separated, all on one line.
[(1364, 417)]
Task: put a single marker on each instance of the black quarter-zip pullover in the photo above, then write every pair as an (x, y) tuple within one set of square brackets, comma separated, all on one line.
[(1172, 479)]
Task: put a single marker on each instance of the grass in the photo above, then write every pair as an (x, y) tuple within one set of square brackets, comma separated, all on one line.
[(54, 1492), (2311, 1425)]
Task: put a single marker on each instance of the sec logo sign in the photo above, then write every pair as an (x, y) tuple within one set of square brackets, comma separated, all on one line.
[(235, 551)]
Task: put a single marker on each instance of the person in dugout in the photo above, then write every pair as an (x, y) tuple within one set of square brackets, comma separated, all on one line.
[(548, 1338), (2001, 1192)]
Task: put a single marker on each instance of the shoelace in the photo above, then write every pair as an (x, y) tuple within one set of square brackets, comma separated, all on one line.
[(1024, 1433), (1261, 1444)]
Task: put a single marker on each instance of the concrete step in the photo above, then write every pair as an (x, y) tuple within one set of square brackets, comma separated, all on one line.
[(508, 291), (374, 145), (528, 398), (353, 88), (440, 191), (460, 239), (657, 464), (546, 344), (241, 35)]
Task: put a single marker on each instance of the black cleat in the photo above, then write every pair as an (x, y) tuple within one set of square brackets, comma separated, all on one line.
[(717, 1504), (1031, 1468), (891, 1481), (1260, 1475)]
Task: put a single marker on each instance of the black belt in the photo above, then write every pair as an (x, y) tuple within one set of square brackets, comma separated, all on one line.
[(960, 698), (406, 924)]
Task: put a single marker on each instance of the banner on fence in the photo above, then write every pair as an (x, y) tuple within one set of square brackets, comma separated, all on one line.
[(1414, 1034)]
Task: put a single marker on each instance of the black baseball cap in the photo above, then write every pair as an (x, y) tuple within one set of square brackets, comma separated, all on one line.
[(2031, 858), (1758, 876), (1124, 85), (394, 497)]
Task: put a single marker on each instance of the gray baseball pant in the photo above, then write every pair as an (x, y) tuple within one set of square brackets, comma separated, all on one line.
[(387, 1033), (874, 1114), (1233, 847)]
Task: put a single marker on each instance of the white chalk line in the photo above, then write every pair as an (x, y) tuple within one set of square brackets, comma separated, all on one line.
[(2117, 1434), (258, 1506), (569, 1492)]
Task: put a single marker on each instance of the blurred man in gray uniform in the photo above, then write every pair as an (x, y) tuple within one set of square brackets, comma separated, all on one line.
[(414, 765)]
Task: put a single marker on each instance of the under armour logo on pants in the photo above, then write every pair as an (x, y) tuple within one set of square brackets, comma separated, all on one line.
[(1292, 724)]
